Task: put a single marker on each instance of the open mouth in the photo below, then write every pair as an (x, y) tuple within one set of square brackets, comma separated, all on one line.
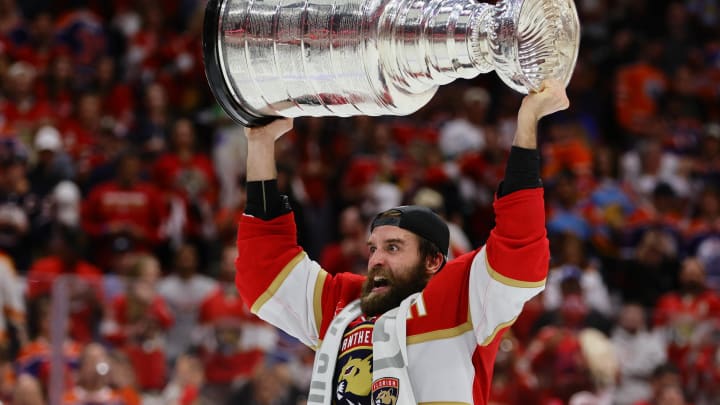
[(380, 284)]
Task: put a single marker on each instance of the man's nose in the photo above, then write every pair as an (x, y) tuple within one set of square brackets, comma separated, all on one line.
[(376, 259)]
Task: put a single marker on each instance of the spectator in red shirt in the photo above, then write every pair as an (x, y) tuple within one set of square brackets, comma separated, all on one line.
[(82, 130), (686, 314), (116, 97), (24, 111), (235, 341), (187, 178), (137, 321), (556, 360), (349, 254), (124, 214), (184, 387), (82, 279), (59, 85), (511, 384), (10, 17)]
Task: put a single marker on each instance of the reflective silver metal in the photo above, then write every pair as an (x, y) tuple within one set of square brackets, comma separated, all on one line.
[(267, 58)]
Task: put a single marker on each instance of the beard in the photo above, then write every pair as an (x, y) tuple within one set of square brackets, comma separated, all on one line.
[(377, 303)]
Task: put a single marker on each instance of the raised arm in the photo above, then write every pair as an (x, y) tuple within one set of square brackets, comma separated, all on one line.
[(274, 276), (549, 99), (513, 265), (523, 166), (261, 149)]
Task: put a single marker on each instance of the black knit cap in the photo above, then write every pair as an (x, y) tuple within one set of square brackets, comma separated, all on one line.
[(419, 220)]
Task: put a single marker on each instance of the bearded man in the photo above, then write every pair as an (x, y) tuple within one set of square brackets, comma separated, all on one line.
[(417, 328)]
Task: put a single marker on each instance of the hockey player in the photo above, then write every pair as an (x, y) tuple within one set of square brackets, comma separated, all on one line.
[(418, 328)]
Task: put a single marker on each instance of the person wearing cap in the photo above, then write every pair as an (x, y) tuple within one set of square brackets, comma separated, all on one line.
[(417, 328), (52, 164)]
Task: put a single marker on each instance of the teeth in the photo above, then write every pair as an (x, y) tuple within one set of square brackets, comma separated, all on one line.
[(380, 281)]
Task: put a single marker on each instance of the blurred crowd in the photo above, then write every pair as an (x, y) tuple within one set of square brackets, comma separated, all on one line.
[(121, 182)]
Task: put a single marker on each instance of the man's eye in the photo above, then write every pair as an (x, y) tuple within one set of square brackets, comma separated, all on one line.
[(372, 249), (393, 248)]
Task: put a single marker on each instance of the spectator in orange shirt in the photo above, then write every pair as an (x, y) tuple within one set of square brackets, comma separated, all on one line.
[(567, 149), (122, 378), (35, 357), (93, 385), (8, 379), (639, 87)]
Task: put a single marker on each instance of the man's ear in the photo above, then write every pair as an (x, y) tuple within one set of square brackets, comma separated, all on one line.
[(433, 264)]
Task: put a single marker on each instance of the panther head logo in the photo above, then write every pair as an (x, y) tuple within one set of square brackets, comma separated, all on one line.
[(355, 377), (385, 397), (385, 391)]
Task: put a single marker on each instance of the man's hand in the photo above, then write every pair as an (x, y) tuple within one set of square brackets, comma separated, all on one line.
[(271, 131), (261, 149), (549, 99)]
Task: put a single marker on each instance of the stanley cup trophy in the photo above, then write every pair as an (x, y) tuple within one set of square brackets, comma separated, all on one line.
[(270, 58)]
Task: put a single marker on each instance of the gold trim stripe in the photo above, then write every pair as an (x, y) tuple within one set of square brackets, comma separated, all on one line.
[(440, 334), (275, 285), (511, 281), (497, 329), (317, 298)]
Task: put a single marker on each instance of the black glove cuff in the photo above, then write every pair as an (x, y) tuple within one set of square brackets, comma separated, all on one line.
[(264, 200), (522, 171)]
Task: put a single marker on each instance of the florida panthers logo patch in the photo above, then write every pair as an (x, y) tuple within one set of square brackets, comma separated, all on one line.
[(385, 391)]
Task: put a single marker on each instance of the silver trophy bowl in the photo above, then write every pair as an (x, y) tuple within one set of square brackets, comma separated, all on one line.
[(281, 58)]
